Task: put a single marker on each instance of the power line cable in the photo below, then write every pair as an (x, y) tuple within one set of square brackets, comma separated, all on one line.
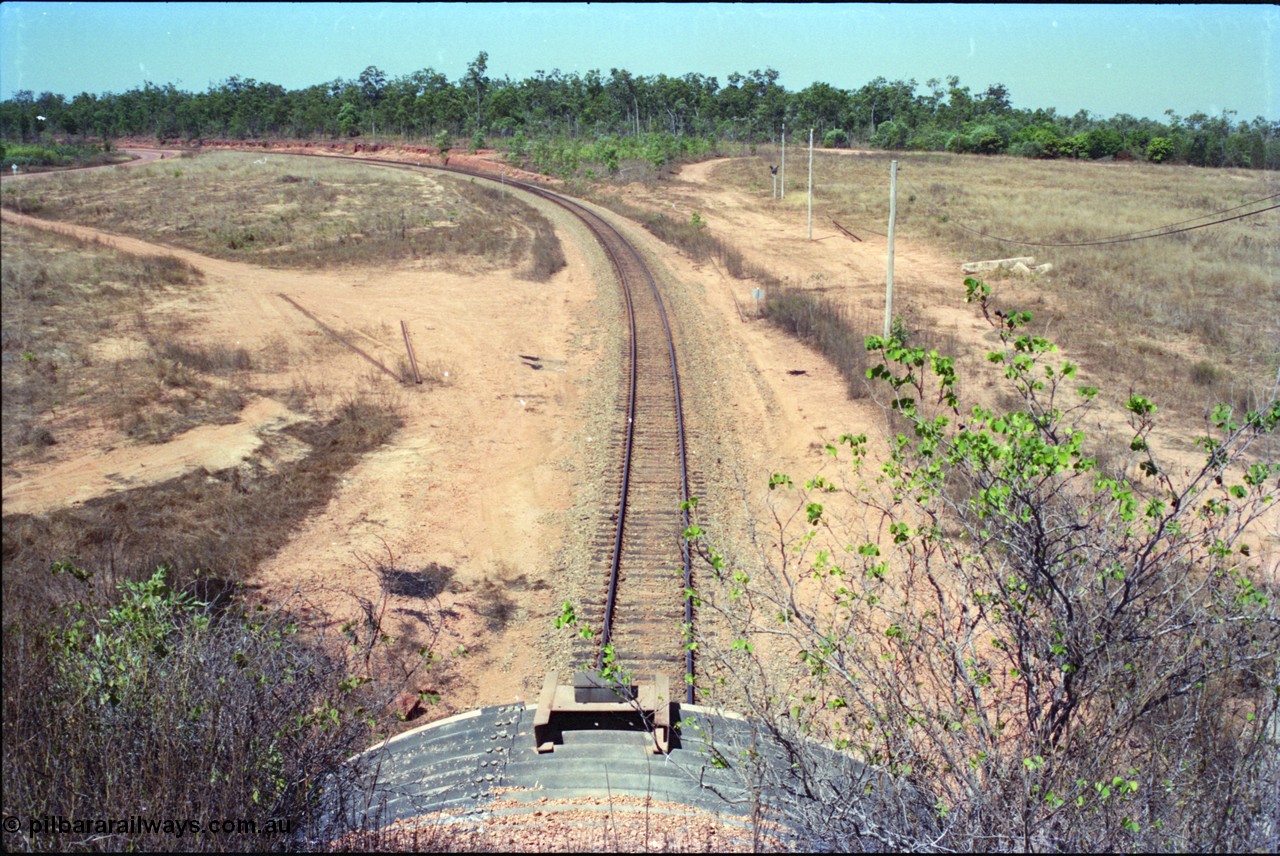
[(1122, 239), (1154, 232)]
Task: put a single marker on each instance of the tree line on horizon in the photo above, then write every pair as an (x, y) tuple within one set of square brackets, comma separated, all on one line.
[(752, 107)]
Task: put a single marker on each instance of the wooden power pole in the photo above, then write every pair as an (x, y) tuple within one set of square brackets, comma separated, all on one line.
[(811, 184), (893, 215)]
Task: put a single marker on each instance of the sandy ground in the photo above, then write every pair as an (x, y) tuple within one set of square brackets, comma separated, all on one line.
[(474, 481), (491, 475)]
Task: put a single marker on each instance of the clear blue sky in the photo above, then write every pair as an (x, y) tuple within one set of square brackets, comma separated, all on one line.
[(1107, 59)]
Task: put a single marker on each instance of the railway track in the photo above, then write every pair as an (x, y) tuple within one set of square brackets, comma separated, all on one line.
[(640, 610)]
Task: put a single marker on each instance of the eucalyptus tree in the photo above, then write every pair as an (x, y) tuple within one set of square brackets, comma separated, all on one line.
[(373, 86)]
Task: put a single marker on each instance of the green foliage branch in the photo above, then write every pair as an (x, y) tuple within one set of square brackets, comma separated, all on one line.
[(1019, 648), (150, 702)]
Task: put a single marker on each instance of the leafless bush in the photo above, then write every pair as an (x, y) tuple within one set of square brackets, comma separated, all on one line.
[(211, 359), (546, 257)]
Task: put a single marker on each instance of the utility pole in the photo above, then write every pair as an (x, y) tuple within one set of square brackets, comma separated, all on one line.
[(893, 215), (784, 161), (811, 184)]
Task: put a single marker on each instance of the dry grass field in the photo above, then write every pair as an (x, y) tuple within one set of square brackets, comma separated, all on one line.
[(295, 213), (87, 355), (65, 304), (1191, 318)]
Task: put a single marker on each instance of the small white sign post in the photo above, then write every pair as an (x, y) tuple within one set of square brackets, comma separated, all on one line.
[(758, 294)]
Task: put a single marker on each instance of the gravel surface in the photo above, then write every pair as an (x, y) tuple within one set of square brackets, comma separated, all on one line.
[(623, 824)]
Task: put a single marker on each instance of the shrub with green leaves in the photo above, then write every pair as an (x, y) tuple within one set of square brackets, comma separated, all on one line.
[(53, 155), (1041, 142), (151, 703), (569, 157), (1160, 149), (1040, 652), (835, 138), (890, 135)]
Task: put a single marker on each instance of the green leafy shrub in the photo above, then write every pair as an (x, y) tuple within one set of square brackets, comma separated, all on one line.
[(349, 120), (1041, 142), (1160, 149), (1074, 147), (929, 139), (444, 142), (164, 708), (55, 155), (890, 135), (1103, 143), (1029, 650), (1027, 149), (977, 139)]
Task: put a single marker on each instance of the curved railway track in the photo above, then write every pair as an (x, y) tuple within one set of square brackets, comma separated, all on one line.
[(641, 607)]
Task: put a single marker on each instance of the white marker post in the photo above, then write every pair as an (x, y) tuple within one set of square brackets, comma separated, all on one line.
[(784, 161), (893, 214), (811, 184)]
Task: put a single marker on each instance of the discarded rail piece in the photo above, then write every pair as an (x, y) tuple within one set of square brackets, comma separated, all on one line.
[(847, 233), (413, 361)]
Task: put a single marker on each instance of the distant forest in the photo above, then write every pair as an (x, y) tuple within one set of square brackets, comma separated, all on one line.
[(752, 107)]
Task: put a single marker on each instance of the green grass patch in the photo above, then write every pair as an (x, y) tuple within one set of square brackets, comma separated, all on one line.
[(56, 155)]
